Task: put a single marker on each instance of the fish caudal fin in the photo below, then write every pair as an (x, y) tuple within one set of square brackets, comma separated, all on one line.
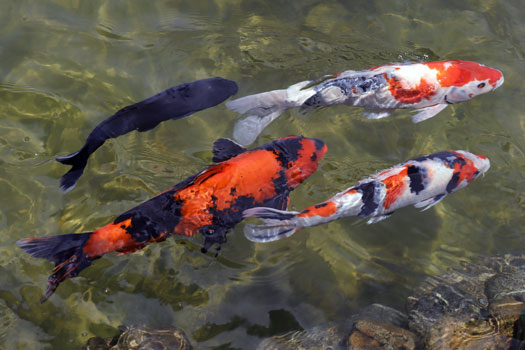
[(247, 129), (79, 161), (64, 250), (279, 224), (259, 102), (260, 109)]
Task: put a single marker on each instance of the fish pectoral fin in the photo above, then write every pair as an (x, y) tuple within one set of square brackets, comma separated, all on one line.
[(427, 112), (375, 219), (430, 202), (224, 149), (377, 113)]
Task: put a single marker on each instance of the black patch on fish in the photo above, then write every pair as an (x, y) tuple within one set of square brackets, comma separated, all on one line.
[(416, 179), (370, 202), (233, 191), (224, 220), (280, 183), (281, 158), (447, 157), (453, 183), (224, 149), (288, 150), (153, 218), (318, 144), (320, 205)]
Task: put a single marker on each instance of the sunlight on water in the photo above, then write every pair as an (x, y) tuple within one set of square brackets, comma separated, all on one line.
[(67, 65)]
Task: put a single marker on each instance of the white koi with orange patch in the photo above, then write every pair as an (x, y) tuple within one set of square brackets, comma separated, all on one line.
[(422, 182), (427, 88)]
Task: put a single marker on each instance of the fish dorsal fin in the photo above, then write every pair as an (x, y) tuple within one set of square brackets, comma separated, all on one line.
[(224, 149)]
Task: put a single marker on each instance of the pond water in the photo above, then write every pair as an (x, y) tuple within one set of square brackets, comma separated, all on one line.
[(67, 65)]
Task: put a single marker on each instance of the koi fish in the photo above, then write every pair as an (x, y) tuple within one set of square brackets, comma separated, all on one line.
[(422, 182), (210, 203), (174, 103), (427, 88)]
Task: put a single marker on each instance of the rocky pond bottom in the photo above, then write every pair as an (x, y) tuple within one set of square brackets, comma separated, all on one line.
[(478, 307)]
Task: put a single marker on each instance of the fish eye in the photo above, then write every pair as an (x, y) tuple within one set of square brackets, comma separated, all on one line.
[(481, 85)]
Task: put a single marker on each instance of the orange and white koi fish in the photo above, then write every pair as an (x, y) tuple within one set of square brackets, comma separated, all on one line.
[(422, 182), (427, 88), (210, 202)]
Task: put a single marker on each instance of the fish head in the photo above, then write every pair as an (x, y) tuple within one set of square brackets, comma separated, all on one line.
[(467, 80), (481, 163), (300, 157)]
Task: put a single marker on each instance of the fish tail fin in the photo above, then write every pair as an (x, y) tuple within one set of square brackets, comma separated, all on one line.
[(79, 161), (261, 109), (64, 250), (278, 224)]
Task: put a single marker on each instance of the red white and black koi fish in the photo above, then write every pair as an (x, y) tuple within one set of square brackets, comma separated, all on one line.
[(428, 88), (422, 182), (210, 202), (174, 103)]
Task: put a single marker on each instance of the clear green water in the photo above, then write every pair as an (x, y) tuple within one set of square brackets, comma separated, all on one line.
[(67, 65)]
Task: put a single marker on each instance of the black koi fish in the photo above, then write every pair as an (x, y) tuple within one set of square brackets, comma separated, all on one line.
[(174, 103)]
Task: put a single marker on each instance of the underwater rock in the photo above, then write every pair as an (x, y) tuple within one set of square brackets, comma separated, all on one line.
[(136, 338), (379, 327), (375, 334), (317, 338), (375, 327), (477, 307)]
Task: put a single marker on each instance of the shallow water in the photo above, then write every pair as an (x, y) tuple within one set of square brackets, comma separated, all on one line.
[(67, 65)]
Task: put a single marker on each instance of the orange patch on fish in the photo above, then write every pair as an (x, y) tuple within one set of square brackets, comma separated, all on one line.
[(219, 186), (459, 73), (467, 171), (325, 210), (109, 238), (410, 96), (395, 186)]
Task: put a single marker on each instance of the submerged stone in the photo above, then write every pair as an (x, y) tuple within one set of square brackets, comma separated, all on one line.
[(136, 338), (477, 307)]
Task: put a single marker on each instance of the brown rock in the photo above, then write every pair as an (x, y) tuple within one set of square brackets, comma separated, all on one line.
[(372, 334)]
